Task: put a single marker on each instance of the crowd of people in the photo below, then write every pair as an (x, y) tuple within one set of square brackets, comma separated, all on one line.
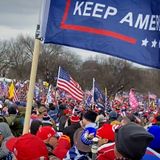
[(70, 131)]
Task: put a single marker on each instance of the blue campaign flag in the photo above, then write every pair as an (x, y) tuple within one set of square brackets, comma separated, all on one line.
[(89, 100), (99, 97), (129, 29)]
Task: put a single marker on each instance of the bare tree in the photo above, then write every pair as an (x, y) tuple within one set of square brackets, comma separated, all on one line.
[(4, 59)]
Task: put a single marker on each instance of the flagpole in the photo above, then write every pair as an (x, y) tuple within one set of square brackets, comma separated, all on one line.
[(105, 91), (56, 83), (93, 87), (36, 53), (58, 73), (149, 99)]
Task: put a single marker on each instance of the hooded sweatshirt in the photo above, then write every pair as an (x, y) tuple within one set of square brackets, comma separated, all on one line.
[(6, 132)]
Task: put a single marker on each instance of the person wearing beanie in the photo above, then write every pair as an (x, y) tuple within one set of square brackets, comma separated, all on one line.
[(113, 115), (64, 119), (15, 121), (131, 142), (5, 135), (70, 130), (48, 121)]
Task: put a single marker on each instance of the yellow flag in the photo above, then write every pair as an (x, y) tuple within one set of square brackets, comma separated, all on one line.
[(11, 91)]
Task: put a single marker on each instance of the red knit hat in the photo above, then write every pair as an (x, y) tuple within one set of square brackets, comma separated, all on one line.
[(106, 132), (46, 132), (27, 147), (74, 119)]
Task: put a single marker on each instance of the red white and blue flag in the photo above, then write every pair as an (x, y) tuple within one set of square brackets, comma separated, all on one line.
[(129, 29), (133, 100), (66, 83)]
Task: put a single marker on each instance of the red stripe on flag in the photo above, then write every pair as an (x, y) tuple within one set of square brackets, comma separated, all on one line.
[(64, 85)]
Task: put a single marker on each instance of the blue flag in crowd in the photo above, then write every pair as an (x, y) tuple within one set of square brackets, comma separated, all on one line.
[(89, 100), (129, 29), (99, 97)]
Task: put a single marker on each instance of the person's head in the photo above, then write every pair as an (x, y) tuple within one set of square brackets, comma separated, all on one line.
[(27, 147), (105, 134), (74, 119), (48, 135), (131, 141), (46, 120), (35, 124), (51, 106), (12, 110), (89, 117), (113, 116), (42, 110)]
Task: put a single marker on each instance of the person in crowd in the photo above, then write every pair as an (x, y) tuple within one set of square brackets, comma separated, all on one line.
[(35, 124), (15, 120), (5, 134), (155, 130), (62, 147), (27, 147), (105, 134), (113, 116), (131, 142), (49, 136), (70, 130), (83, 138), (101, 118), (63, 120), (41, 111), (53, 112), (48, 121)]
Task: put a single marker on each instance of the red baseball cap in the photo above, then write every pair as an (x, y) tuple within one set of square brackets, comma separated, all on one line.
[(27, 147), (46, 132), (74, 118), (106, 132)]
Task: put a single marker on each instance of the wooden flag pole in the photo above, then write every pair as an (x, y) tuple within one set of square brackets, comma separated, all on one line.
[(30, 94)]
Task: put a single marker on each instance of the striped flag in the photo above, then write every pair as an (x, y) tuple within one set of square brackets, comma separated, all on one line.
[(152, 96), (15, 98), (66, 83), (49, 98), (132, 100)]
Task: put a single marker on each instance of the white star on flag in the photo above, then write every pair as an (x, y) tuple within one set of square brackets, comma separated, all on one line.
[(144, 42), (154, 43)]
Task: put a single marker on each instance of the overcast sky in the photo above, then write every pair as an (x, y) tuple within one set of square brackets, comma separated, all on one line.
[(21, 17), (18, 17)]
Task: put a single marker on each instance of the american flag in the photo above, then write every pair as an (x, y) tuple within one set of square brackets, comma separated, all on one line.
[(132, 100), (15, 98), (151, 96), (66, 83)]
